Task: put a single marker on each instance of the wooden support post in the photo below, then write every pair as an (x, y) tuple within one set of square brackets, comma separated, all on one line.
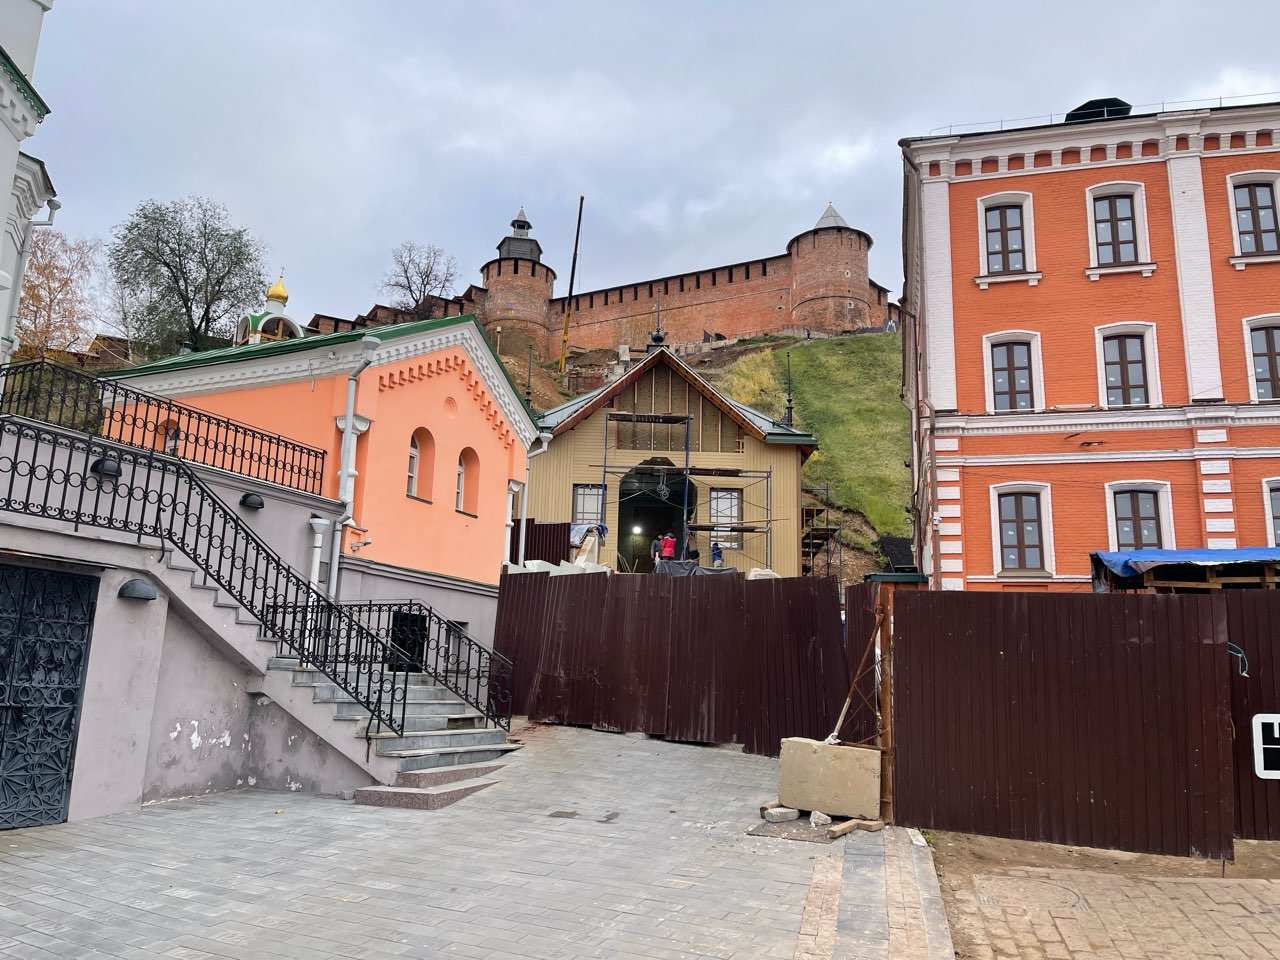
[(885, 602)]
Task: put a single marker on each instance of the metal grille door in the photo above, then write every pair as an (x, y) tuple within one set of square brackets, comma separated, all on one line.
[(45, 620)]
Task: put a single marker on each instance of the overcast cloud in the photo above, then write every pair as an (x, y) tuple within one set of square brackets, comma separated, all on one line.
[(700, 134)]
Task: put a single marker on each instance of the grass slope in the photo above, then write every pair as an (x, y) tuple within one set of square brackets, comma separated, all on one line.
[(846, 394)]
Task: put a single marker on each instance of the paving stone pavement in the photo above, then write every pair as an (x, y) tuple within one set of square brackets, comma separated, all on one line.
[(592, 845), (1079, 914)]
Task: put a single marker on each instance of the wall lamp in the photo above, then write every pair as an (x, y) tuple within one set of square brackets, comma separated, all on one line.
[(252, 501), (136, 589), (105, 467)]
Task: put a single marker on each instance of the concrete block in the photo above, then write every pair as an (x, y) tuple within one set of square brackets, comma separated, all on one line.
[(840, 781), (781, 814)]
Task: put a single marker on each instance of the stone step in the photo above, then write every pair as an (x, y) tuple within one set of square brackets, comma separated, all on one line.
[(389, 743), (471, 720), (329, 693), (308, 677), (350, 710), (450, 756), (438, 776), (419, 798)]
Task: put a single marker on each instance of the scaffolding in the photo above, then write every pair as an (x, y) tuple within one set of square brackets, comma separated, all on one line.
[(757, 531), (819, 537)]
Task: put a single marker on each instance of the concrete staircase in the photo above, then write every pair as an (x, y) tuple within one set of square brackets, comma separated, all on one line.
[(444, 754)]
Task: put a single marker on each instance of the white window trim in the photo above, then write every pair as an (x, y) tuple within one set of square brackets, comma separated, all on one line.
[(1267, 484), (1164, 503), (1155, 395), (1031, 276), (415, 461), (1142, 236), (1046, 527), (1239, 179), (1037, 367), (1247, 325)]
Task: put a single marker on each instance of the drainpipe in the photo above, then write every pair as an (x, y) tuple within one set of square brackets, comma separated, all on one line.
[(513, 487), (318, 527), (545, 440), (347, 465), (9, 341)]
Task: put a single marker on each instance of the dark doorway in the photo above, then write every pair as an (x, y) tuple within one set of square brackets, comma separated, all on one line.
[(45, 620), (651, 502)]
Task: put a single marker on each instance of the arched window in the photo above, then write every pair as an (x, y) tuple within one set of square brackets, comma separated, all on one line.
[(468, 491), (422, 463)]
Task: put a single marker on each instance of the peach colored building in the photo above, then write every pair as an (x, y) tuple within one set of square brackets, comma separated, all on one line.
[(439, 434), (1092, 341)]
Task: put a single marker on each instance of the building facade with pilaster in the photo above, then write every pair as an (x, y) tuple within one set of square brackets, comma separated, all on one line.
[(1092, 341)]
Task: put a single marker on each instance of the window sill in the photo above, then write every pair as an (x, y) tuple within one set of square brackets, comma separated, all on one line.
[(1146, 269), (473, 516), (1241, 262), (1024, 575), (410, 496), (1030, 279)]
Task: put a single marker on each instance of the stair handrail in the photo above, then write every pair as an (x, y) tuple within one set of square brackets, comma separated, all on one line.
[(51, 393), (480, 676), (104, 491)]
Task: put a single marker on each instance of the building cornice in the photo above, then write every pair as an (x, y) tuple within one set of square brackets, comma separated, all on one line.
[(21, 107), (410, 575), (1069, 421), (1109, 456), (330, 360)]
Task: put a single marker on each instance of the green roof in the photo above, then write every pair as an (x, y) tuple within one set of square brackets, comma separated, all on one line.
[(24, 85), (273, 348)]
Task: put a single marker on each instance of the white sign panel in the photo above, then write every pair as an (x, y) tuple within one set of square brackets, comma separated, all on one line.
[(1266, 746)]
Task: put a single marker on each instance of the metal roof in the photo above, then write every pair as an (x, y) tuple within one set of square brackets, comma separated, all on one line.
[(830, 218)]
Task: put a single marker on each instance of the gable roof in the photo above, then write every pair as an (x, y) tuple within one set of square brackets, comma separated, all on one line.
[(182, 363), (568, 415)]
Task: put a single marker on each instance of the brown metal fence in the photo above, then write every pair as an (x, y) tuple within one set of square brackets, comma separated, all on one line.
[(1095, 720), (1253, 626), (543, 541), (699, 659)]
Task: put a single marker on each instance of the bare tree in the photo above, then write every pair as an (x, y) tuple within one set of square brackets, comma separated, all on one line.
[(418, 273), (184, 273), (56, 309)]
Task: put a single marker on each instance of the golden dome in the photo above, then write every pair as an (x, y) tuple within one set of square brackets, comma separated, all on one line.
[(277, 291)]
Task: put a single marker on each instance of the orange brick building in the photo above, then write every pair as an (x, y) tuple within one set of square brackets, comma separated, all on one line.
[(820, 284), (1092, 342)]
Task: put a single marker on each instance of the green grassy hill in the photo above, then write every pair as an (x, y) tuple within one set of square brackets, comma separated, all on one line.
[(847, 395)]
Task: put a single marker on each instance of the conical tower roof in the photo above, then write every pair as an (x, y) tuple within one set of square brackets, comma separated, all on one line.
[(830, 218)]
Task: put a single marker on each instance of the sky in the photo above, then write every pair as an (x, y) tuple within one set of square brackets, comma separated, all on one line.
[(700, 133)]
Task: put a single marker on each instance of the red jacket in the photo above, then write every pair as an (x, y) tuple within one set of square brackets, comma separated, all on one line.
[(668, 548)]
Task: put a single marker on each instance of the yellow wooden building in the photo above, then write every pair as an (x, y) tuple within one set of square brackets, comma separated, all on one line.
[(661, 444)]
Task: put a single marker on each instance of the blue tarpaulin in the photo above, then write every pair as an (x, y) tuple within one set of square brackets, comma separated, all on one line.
[(1132, 563)]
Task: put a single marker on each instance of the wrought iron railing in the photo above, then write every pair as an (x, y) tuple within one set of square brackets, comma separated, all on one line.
[(441, 649), (52, 472), (44, 391)]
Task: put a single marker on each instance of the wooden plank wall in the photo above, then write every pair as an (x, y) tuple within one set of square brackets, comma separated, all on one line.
[(1098, 720)]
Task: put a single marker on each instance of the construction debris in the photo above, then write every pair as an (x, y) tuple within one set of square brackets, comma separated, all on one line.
[(818, 819), (781, 814), (840, 829)]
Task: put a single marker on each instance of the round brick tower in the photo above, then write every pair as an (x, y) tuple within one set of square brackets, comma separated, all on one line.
[(519, 286), (830, 290)]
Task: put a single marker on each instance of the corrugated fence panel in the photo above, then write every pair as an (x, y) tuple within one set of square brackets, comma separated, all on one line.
[(1253, 623), (1092, 720), (701, 659), (520, 629), (543, 541), (860, 726)]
